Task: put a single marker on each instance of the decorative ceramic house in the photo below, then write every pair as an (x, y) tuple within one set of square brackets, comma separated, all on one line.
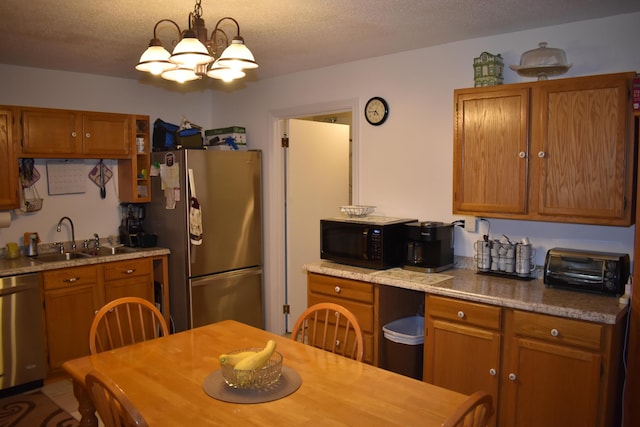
[(487, 70)]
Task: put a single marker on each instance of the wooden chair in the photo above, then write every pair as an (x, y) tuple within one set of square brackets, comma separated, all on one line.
[(316, 326), (125, 321), (474, 412), (113, 406)]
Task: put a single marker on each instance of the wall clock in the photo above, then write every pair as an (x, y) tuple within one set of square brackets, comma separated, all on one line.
[(376, 111)]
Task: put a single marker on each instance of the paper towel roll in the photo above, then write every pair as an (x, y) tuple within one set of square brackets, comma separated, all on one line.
[(5, 219)]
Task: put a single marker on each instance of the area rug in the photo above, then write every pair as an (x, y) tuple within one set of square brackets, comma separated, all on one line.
[(33, 410)]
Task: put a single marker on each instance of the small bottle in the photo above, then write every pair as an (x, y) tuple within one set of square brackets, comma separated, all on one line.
[(32, 249)]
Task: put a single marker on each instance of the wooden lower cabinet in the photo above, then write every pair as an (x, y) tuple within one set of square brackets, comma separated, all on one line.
[(462, 345), (541, 370), (373, 305), (73, 295)]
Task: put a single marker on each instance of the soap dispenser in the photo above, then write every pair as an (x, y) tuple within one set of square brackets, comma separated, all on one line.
[(32, 248)]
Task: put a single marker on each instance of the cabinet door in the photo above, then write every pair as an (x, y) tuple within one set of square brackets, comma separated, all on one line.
[(8, 161), (490, 151), (69, 313), (585, 158), (107, 135), (550, 385), (51, 132), (462, 358)]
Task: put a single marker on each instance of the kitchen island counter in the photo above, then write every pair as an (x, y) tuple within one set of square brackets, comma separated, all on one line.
[(466, 284), (23, 265)]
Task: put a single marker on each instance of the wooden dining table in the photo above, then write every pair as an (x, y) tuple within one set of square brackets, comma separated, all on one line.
[(164, 379)]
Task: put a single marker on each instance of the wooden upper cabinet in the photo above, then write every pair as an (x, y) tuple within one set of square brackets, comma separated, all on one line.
[(51, 132), (75, 134), (557, 150), (107, 134), (490, 165), (8, 163), (584, 149)]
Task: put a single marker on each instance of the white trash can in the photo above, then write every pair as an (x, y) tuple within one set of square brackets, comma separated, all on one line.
[(404, 346)]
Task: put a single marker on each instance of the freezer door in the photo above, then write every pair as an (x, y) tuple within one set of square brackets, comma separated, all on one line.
[(234, 295), (228, 188)]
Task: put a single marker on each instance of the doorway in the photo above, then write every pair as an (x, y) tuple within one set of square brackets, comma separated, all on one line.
[(317, 171)]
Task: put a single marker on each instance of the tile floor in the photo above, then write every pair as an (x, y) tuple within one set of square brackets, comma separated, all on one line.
[(61, 392)]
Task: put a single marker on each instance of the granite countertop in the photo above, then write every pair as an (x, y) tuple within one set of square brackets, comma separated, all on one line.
[(23, 265), (467, 284)]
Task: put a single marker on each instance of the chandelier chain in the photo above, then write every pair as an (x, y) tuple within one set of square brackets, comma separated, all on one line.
[(197, 9)]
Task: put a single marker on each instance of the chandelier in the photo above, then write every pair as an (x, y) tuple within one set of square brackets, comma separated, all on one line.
[(194, 56)]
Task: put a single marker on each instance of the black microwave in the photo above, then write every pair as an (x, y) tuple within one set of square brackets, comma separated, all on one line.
[(372, 242)]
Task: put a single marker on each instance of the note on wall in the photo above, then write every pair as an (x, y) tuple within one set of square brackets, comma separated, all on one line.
[(66, 176)]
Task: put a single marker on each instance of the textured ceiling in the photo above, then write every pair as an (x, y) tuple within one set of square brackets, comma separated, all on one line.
[(107, 37)]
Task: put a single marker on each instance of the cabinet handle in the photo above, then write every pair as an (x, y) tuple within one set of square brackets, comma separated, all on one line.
[(71, 280), (522, 154), (129, 271), (337, 289), (492, 372), (512, 376), (74, 134), (87, 135), (337, 343), (555, 332), (461, 314), (541, 154)]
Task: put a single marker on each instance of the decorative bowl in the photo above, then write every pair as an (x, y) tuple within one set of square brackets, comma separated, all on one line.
[(357, 210), (253, 379)]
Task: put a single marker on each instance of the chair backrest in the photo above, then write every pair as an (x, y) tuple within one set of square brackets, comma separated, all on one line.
[(113, 406), (125, 321), (330, 327), (474, 412)]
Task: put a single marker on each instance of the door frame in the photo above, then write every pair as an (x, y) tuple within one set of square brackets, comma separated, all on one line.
[(274, 220)]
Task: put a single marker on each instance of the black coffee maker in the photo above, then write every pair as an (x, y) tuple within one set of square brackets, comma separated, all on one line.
[(131, 229), (429, 246)]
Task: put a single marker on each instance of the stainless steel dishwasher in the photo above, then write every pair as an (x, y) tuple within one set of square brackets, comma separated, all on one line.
[(22, 358)]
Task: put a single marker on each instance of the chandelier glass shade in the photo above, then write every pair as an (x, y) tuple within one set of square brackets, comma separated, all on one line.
[(194, 55)]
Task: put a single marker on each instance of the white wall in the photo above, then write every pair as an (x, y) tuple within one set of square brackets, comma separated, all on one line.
[(405, 166), (56, 89)]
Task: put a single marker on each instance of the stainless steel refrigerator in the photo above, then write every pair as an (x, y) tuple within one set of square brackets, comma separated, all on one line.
[(220, 278)]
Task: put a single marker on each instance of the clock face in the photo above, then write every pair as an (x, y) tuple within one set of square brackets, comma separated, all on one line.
[(376, 111)]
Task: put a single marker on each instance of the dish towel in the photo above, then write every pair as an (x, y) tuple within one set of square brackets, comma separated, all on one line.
[(195, 214)]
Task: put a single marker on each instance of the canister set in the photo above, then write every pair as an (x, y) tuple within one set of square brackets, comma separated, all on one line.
[(503, 256)]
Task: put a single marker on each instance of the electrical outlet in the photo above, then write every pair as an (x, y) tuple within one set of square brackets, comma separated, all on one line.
[(470, 223)]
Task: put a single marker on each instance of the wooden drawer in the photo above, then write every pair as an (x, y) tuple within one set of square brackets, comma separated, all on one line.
[(126, 269), (341, 288), (557, 329), (67, 277), (363, 312), (469, 313)]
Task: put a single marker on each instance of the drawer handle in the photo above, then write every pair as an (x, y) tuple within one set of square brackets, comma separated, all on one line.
[(461, 314), (555, 332), (512, 376), (492, 372), (71, 280), (129, 271), (337, 289)]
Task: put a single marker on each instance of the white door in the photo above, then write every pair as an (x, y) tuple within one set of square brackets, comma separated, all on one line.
[(317, 184)]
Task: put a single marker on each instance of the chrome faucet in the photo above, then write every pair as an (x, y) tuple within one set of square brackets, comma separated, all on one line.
[(97, 240), (73, 233)]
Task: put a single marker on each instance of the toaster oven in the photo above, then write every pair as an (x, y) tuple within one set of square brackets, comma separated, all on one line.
[(599, 272)]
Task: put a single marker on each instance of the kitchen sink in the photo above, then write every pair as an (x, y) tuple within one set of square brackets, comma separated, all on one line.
[(106, 251), (86, 253), (56, 257)]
